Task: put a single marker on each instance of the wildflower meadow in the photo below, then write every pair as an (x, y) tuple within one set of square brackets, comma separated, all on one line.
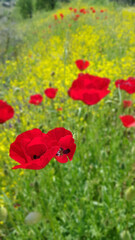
[(67, 125)]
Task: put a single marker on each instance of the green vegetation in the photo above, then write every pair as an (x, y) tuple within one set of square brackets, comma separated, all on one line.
[(91, 197)]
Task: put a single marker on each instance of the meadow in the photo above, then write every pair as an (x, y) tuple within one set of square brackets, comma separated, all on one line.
[(91, 197)]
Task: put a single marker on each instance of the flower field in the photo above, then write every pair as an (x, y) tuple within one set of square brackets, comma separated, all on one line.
[(67, 108)]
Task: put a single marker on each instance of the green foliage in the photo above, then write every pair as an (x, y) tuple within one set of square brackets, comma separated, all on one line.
[(130, 2), (83, 199), (26, 8), (48, 4)]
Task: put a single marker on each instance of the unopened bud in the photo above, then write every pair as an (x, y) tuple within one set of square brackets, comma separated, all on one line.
[(130, 194), (125, 235), (33, 218), (3, 214), (52, 74)]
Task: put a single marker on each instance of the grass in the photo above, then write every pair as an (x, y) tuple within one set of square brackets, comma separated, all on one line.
[(83, 199)]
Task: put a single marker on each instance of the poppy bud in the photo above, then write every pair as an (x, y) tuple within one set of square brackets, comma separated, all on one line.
[(52, 74), (33, 218), (36, 185), (6, 169), (130, 194), (125, 235), (3, 214), (81, 129)]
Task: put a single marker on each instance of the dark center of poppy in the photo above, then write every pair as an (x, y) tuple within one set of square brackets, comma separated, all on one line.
[(66, 151), (36, 157), (62, 151)]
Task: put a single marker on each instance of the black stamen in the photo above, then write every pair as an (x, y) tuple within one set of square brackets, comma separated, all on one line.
[(66, 151), (62, 151), (35, 157)]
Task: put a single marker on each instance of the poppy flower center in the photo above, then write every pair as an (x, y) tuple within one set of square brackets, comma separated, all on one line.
[(36, 148), (61, 152), (36, 157)]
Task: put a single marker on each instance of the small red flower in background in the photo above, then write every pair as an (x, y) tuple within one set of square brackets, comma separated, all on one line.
[(61, 15), (55, 17), (6, 111), (59, 109), (93, 10), (89, 89), (49, 26), (75, 10), (51, 92), (36, 99), (64, 139), (70, 8), (128, 121), (83, 10), (101, 10), (127, 103), (69, 25), (81, 64), (16, 205), (126, 85), (34, 149), (76, 17)]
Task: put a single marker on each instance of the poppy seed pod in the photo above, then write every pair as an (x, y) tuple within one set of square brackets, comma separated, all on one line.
[(33, 218), (130, 194), (125, 235), (3, 214)]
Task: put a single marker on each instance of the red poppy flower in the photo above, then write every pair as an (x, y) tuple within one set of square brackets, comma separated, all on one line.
[(36, 99), (61, 15), (93, 10), (64, 139), (89, 89), (33, 150), (55, 17), (82, 10), (70, 8), (59, 109), (128, 121), (6, 111), (126, 85), (51, 92), (76, 17), (101, 10), (127, 103), (75, 10), (81, 64), (16, 205)]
